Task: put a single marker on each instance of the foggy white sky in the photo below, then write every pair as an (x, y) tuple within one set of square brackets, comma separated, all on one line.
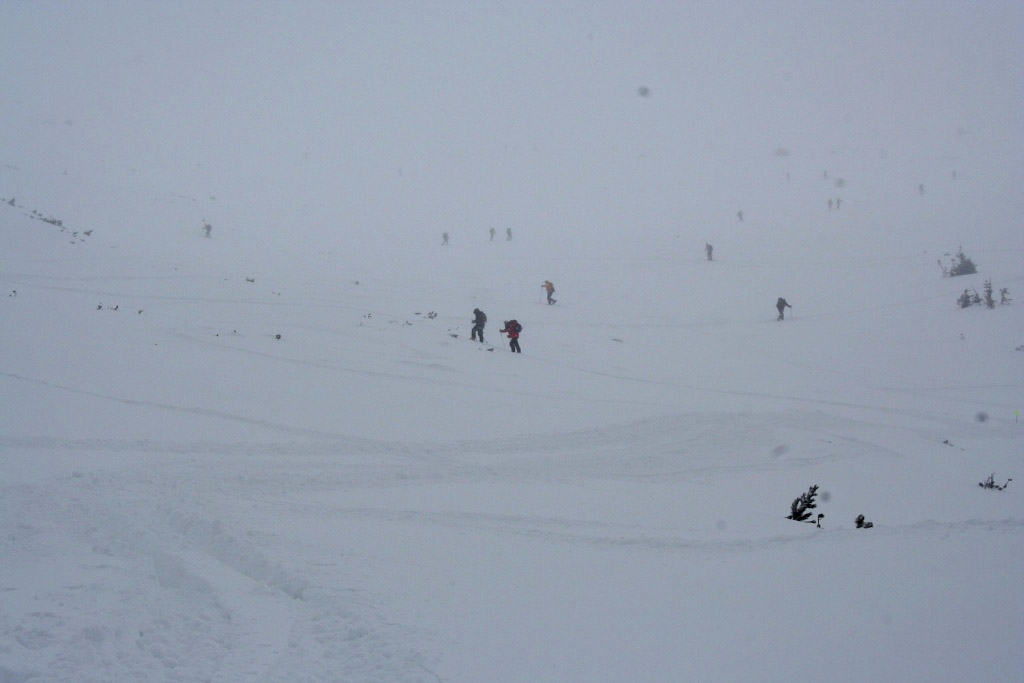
[(404, 117)]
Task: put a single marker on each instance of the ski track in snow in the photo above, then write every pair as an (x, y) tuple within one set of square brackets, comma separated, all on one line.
[(176, 540)]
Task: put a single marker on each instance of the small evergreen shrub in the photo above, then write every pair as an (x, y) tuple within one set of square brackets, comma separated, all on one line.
[(991, 484), (970, 297), (989, 301), (799, 511), (961, 264)]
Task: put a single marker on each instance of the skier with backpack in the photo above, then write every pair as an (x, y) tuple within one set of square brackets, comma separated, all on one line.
[(781, 305), (512, 329), (479, 320), (550, 289)]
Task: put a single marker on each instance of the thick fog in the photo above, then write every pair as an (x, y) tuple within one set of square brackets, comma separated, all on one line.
[(299, 125), (276, 455)]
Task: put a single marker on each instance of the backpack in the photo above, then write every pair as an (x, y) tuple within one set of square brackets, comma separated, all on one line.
[(514, 325)]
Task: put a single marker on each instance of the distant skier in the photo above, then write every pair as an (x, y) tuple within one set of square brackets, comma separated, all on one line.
[(782, 305), (550, 289), (508, 234), (920, 189), (492, 234), (479, 320), (739, 214), (708, 249), (830, 202), (512, 329), (444, 239), (838, 203), (207, 228)]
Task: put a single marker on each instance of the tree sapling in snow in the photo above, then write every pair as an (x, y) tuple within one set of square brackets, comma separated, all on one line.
[(799, 511)]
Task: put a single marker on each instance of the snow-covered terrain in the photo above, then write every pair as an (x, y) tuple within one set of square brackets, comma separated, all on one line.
[(275, 455)]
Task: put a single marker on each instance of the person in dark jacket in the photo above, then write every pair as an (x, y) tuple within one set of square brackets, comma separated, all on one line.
[(512, 329), (479, 320), (782, 306)]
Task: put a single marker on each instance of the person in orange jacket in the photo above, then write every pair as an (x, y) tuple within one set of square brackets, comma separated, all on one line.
[(550, 289)]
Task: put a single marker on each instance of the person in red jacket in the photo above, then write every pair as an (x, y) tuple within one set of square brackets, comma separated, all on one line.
[(512, 329)]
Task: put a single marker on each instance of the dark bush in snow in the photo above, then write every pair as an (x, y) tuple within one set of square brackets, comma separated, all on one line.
[(961, 264), (990, 483), (861, 524)]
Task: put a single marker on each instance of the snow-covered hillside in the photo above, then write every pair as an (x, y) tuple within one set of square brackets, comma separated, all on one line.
[(275, 454)]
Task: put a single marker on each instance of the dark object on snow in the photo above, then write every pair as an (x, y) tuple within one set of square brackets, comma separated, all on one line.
[(990, 483), (479, 320), (961, 264), (861, 524), (277, 336), (799, 510), (207, 228), (512, 329), (782, 305), (708, 249)]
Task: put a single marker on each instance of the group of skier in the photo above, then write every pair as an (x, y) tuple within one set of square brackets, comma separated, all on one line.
[(508, 236), (512, 329)]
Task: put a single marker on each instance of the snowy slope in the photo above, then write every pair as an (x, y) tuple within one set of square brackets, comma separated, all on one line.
[(274, 454), (368, 497)]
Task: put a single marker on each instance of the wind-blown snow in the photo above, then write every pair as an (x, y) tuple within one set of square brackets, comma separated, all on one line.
[(275, 455)]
